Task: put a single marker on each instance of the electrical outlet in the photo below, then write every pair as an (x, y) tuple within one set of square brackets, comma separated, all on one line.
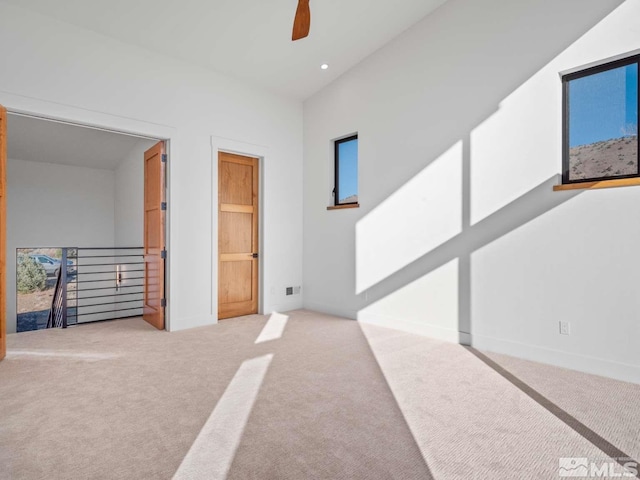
[(289, 290), (296, 290), (565, 328)]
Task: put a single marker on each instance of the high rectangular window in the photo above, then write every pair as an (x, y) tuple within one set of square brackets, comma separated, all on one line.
[(600, 111), (346, 171)]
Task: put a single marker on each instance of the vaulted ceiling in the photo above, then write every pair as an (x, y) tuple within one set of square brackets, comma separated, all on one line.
[(248, 39)]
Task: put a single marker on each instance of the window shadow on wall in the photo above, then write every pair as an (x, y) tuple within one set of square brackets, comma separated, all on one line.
[(408, 235)]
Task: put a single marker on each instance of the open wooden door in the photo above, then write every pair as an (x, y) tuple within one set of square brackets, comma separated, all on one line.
[(237, 235), (3, 232), (154, 227)]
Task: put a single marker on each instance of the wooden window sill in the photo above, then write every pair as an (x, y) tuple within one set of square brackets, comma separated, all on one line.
[(340, 207), (617, 182)]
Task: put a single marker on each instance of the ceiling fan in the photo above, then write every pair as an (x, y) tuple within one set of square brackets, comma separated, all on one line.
[(302, 20)]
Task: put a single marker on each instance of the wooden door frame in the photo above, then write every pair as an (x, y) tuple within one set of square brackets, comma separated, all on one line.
[(70, 115), (261, 152)]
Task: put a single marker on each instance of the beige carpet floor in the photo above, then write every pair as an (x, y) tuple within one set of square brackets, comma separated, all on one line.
[(307, 396)]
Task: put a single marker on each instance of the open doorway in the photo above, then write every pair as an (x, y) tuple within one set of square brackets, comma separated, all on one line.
[(80, 190)]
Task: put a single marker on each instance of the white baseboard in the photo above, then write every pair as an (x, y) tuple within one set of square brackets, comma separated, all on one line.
[(192, 322), (573, 361), (331, 310), (427, 330), (204, 320), (283, 307), (464, 338), (582, 363)]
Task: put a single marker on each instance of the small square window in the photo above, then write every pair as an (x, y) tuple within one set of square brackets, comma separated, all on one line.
[(346, 171), (600, 115)]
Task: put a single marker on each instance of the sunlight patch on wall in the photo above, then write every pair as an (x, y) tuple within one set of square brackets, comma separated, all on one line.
[(520, 145), (427, 306), (507, 159), (421, 215)]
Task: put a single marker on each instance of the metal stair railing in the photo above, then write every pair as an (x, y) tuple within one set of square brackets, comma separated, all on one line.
[(58, 312), (99, 283)]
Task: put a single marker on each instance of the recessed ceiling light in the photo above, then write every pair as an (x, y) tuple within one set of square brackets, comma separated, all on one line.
[(324, 66)]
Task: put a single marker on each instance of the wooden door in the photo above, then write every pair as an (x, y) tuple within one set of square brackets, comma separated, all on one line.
[(3, 232), (154, 226), (237, 235)]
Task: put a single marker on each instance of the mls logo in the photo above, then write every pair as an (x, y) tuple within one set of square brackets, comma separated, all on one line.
[(574, 467)]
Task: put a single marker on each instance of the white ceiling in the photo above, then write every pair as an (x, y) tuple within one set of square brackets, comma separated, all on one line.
[(248, 39), (39, 140)]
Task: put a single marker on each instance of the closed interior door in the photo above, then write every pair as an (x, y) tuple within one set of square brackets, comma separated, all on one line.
[(237, 235), (154, 226), (3, 232)]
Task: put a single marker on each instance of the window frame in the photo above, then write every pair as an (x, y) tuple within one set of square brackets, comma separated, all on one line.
[(586, 72), (336, 170)]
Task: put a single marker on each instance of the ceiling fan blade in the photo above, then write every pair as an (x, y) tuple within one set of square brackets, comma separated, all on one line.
[(302, 21)]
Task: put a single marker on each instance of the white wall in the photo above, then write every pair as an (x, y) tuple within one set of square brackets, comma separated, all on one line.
[(129, 197), (55, 206), (459, 234), (55, 69)]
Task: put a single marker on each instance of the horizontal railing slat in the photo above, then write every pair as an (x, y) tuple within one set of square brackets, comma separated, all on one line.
[(86, 280)]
